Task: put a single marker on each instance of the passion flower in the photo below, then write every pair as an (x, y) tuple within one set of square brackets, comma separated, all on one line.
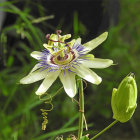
[(66, 59)]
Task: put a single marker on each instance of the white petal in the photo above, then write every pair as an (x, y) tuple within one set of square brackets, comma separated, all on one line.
[(97, 63), (88, 75), (48, 81), (95, 42), (36, 54), (33, 77), (78, 41), (37, 66), (69, 83)]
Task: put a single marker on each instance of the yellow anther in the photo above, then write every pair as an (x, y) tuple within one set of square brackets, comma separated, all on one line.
[(52, 37), (49, 48), (64, 37), (71, 43), (68, 36)]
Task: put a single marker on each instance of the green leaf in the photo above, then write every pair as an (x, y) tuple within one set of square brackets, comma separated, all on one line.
[(10, 61)]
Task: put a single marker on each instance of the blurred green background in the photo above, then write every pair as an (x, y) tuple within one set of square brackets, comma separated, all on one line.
[(24, 28)]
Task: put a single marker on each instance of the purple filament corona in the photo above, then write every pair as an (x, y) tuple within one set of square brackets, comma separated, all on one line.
[(45, 61)]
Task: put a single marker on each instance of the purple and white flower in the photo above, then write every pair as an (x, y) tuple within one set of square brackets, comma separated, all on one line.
[(66, 60)]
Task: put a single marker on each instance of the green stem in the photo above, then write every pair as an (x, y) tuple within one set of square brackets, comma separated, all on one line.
[(81, 109), (113, 123)]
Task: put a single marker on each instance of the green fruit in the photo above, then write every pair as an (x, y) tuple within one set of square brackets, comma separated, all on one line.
[(124, 99)]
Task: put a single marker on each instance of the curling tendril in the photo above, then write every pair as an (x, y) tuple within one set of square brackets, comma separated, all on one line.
[(45, 112)]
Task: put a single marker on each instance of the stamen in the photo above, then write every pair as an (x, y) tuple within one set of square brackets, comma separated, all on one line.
[(58, 33)]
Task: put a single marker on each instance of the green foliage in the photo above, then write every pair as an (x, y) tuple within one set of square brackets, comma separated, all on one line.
[(122, 46)]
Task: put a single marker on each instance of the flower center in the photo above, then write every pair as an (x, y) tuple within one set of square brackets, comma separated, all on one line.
[(67, 58)]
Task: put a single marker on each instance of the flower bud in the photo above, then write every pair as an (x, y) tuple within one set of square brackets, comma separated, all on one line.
[(124, 99)]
